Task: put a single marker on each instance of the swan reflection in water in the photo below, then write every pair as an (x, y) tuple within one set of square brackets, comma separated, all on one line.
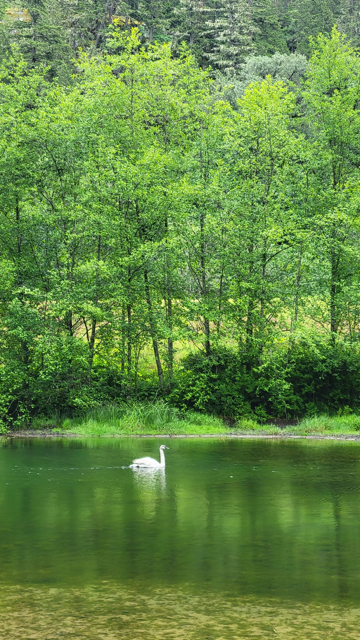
[(150, 478)]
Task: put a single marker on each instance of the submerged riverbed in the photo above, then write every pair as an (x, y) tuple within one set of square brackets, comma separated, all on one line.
[(235, 539)]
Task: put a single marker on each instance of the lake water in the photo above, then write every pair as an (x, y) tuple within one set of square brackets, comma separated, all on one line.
[(235, 539)]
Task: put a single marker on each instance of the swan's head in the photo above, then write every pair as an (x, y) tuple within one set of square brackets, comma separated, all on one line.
[(163, 447)]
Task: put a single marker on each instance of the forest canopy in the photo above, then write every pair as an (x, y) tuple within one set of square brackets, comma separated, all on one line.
[(179, 220), (222, 35)]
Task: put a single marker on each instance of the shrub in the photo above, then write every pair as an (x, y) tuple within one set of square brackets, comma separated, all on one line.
[(314, 377)]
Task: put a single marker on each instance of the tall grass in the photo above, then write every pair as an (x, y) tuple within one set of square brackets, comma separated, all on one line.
[(316, 425), (323, 425), (151, 418), (142, 418)]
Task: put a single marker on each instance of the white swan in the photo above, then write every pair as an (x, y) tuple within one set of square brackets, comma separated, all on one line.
[(150, 462)]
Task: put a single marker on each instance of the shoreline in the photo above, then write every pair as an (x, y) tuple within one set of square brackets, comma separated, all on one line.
[(257, 436)]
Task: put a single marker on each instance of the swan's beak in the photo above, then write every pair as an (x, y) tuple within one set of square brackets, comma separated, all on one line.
[(166, 447)]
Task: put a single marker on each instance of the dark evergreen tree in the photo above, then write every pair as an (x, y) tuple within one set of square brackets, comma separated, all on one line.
[(231, 31), (349, 19), (268, 35), (154, 19), (305, 18), (190, 25), (41, 32)]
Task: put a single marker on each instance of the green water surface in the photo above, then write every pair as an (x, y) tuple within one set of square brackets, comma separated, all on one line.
[(234, 539)]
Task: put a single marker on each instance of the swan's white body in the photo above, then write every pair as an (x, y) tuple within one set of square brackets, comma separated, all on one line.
[(150, 462)]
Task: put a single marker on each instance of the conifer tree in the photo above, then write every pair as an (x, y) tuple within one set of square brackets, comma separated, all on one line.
[(305, 18), (190, 26), (349, 19), (269, 36), (154, 18), (231, 30), (40, 32)]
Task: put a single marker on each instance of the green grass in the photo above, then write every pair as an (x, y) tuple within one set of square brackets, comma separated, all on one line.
[(136, 419), (161, 418), (322, 425)]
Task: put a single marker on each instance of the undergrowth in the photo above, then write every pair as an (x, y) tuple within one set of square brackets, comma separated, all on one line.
[(316, 425), (137, 419), (150, 418)]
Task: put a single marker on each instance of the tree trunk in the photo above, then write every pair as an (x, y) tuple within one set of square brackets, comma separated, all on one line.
[(249, 327), (92, 343), (170, 340), (263, 287), (33, 50), (129, 345), (294, 319), (203, 281), (168, 303), (297, 291), (123, 343), (334, 258), (153, 330), (94, 321), (18, 244), (69, 322), (262, 301), (221, 283)]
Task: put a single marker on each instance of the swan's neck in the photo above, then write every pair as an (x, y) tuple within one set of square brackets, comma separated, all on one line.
[(162, 458)]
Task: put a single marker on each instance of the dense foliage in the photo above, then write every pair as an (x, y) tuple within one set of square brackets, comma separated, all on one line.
[(220, 34), (164, 234)]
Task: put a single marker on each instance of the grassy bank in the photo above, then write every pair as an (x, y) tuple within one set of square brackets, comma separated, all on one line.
[(136, 419), (322, 425), (161, 418)]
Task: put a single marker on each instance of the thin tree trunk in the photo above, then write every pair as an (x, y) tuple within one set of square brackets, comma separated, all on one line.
[(69, 322), (24, 345), (94, 321), (129, 345), (297, 291), (218, 324), (262, 300), (33, 57), (333, 294), (170, 340), (294, 319), (263, 278), (137, 357), (92, 342), (18, 244), (203, 281), (207, 336), (249, 327), (123, 343), (169, 308), (153, 329)]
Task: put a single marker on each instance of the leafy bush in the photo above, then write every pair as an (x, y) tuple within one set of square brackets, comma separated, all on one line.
[(315, 376)]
